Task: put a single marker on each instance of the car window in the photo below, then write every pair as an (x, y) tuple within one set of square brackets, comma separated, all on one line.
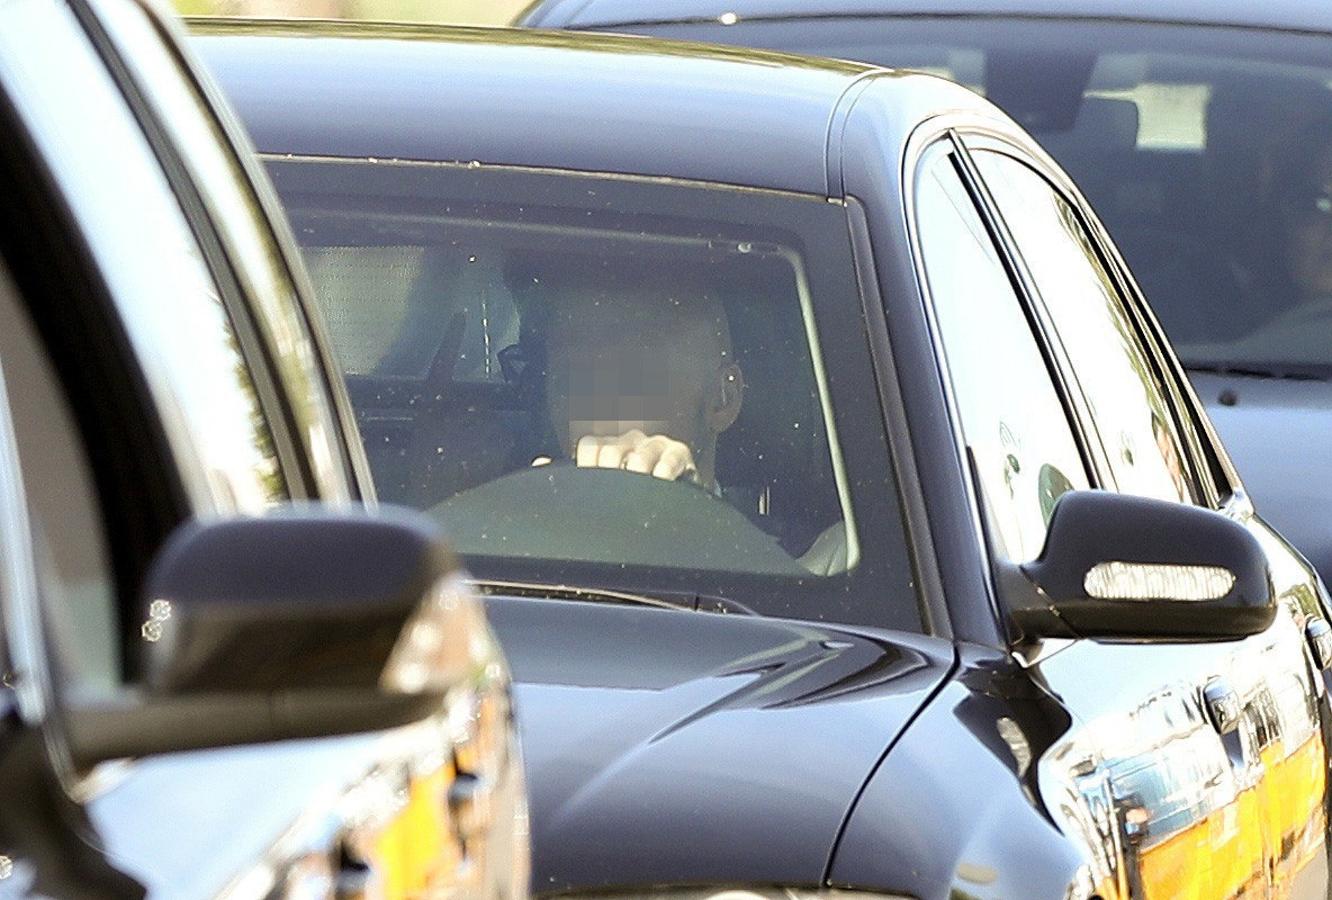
[(1128, 405), (508, 336), (1012, 418), (145, 251), (165, 350), (1207, 151)]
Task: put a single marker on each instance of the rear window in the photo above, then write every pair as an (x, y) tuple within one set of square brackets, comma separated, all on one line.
[(605, 382)]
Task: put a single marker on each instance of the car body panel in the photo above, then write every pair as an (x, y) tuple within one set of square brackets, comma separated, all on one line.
[(557, 126), (607, 14), (1255, 415), (726, 746)]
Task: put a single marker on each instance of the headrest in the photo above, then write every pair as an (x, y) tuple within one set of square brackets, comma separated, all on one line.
[(1104, 124)]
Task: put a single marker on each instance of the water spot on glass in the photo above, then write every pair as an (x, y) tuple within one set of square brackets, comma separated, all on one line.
[(795, 424), (744, 246), (10, 680), (158, 613), (474, 164), (471, 259), (439, 451)]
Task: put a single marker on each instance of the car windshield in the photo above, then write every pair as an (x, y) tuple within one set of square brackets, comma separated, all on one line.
[(1207, 151), (600, 382)]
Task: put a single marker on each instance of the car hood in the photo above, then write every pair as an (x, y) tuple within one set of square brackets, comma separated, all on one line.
[(1279, 433), (671, 746)]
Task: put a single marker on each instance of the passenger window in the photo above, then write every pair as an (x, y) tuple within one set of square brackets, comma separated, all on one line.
[(1012, 419), (1129, 407)]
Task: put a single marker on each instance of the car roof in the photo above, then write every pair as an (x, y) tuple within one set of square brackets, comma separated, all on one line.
[(521, 97), (1301, 15)]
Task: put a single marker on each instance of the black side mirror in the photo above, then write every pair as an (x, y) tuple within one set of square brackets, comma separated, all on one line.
[(1116, 566), (303, 624)]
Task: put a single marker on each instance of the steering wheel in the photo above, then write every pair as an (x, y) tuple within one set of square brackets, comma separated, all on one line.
[(609, 516)]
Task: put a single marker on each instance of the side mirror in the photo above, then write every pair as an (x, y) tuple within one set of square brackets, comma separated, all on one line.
[(303, 624), (1116, 566)]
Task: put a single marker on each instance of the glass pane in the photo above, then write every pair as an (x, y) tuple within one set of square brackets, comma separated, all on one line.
[(508, 338), (146, 253), (1013, 421), (1128, 404), (1206, 150)]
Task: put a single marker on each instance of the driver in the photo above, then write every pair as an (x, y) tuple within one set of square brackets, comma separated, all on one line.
[(641, 374)]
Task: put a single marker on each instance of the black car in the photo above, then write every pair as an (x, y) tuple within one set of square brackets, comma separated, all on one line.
[(843, 512), (222, 676), (1201, 131)]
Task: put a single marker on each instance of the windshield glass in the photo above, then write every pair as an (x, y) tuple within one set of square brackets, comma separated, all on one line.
[(1207, 151), (600, 382)]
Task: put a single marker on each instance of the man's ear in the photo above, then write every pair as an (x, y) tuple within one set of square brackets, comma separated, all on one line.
[(726, 398)]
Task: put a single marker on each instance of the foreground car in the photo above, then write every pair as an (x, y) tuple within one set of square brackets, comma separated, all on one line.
[(928, 575), (207, 691), (1201, 132)]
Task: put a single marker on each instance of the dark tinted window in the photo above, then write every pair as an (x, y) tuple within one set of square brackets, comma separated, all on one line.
[(510, 338), (1206, 151)]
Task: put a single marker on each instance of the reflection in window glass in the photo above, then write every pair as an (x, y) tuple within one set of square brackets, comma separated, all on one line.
[(502, 357), (146, 252), (1017, 430), (1128, 405)]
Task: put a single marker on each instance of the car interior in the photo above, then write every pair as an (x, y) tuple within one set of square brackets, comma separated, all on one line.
[(437, 324)]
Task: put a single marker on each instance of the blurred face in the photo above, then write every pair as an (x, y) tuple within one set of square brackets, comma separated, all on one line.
[(1308, 213), (618, 364)]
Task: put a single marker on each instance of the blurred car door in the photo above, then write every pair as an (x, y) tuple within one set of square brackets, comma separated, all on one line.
[(162, 368)]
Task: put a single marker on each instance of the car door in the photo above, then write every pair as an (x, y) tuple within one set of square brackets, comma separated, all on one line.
[(1184, 734), (1264, 801), (1274, 675)]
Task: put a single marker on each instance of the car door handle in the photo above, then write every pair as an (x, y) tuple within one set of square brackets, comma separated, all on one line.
[(1319, 635), (1223, 705)]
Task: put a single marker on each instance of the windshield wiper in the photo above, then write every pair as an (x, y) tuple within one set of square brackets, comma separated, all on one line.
[(675, 600)]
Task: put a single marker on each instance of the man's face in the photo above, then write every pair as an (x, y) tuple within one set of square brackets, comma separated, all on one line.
[(615, 367), (1308, 212)]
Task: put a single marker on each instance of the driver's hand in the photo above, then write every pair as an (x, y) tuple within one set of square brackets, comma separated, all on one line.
[(656, 455)]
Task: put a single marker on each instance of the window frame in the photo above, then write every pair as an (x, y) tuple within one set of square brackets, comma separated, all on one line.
[(1203, 468), (940, 146), (240, 230)]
